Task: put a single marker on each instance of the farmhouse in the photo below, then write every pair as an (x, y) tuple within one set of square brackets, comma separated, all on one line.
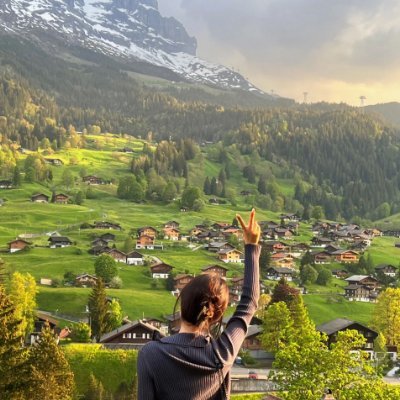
[(134, 258), (131, 336), (6, 184), (276, 273), (322, 257), (218, 246), (99, 249), (230, 256), (107, 225), (147, 231), (174, 322), (215, 269), (340, 273), (332, 328), (160, 271), (40, 198), (117, 255), (60, 198), (85, 280), (363, 293), (17, 245), (364, 280), (172, 224), (345, 256), (59, 241), (171, 234), (320, 241), (144, 242), (41, 319), (274, 246), (386, 269)]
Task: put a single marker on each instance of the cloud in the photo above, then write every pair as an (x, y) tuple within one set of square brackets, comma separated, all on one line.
[(293, 43)]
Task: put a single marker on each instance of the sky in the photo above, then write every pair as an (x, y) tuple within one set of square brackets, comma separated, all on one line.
[(335, 50)]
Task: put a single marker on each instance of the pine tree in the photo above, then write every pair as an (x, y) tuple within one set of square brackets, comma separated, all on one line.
[(98, 308), (214, 186), (207, 186), (16, 177), (265, 259), (262, 185), (51, 377), (95, 389), (12, 355)]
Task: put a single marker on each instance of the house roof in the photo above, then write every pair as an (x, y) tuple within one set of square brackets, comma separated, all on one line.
[(253, 330), (226, 251), (59, 239), (134, 254), (213, 266), (338, 252), (357, 278), (116, 332), (19, 240), (383, 266), (38, 195), (338, 324), (282, 270), (86, 275)]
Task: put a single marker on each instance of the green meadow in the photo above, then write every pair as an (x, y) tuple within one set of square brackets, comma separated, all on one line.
[(138, 296)]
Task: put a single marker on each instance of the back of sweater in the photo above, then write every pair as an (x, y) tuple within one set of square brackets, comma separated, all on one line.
[(185, 366)]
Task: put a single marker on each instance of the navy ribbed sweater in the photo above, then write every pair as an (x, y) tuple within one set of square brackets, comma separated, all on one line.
[(183, 366)]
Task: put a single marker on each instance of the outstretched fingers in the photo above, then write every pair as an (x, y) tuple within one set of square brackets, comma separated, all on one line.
[(241, 222)]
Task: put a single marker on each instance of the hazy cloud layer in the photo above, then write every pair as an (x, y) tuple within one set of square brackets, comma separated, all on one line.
[(335, 50)]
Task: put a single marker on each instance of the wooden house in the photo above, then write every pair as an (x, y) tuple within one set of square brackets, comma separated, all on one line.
[(60, 198), (275, 246), (276, 273), (174, 322), (117, 255), (93, 180), (215, 247), (134, 258), (42, 319), (17, 245), (332, 328), (252, 340), (160, 270), (144, 242), (108, 237), (99, 249), (40, 198), (171, 234), (283, 233), (4, 184), (320, 241), (172, 224), (181, 280), (386, 269), (107, 225), (365, 280), (86, 280), (282, 260), (147, 231), (59, 241), (354, 292), (322, 257), (340, 273), (345, 256), (215, 269), (131, 336), (230, 256)]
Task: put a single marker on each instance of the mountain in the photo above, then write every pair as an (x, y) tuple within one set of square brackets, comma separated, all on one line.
[(389, 111), (130, 30)]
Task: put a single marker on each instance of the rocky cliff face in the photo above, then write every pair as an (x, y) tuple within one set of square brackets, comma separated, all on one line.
[(131, 29)]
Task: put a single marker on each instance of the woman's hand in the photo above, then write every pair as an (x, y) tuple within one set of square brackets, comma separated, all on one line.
[(251, 232)]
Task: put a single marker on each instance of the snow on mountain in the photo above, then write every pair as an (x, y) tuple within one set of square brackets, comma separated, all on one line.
[(131, 29)]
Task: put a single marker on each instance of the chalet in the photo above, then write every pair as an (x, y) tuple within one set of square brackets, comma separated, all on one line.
[(332, 328), (340, 273), (134, 258), (345, 256), (160, 270), (299, 247), (42, 319), (215, 247), (269, 224), (230, 256), (40, 198), (54, 161), (59, 241), (6, 184), (362, 293), (172, 224), (276, 273), (386, 269), (171, 234), (99, 242), (331, 248), (99, 249), (85, 280), (321, 257), (320, 241), (235, 291), (131, 336), (290, 217), (60, 198), (196, 231), (252, 342), (107, 225), (147, 231), (93, 180), (220, 225), (145, 242), (108, 237), (17, 245), (181, 280), (375, 232), (273, 246), (232, 230), (160, 324), (117, 255), (282, 260), (364, 280), (215, 269), (283, 233)]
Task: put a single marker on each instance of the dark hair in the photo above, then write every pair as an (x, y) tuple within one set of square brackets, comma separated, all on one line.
[(204, 301)]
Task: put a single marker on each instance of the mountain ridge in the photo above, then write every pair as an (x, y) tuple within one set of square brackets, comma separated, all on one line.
[(129, 30)]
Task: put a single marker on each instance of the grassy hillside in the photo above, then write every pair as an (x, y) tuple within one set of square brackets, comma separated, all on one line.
[(138, 296)]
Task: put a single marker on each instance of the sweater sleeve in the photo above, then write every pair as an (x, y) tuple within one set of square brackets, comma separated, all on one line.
[(146, 388), (231, 339)]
